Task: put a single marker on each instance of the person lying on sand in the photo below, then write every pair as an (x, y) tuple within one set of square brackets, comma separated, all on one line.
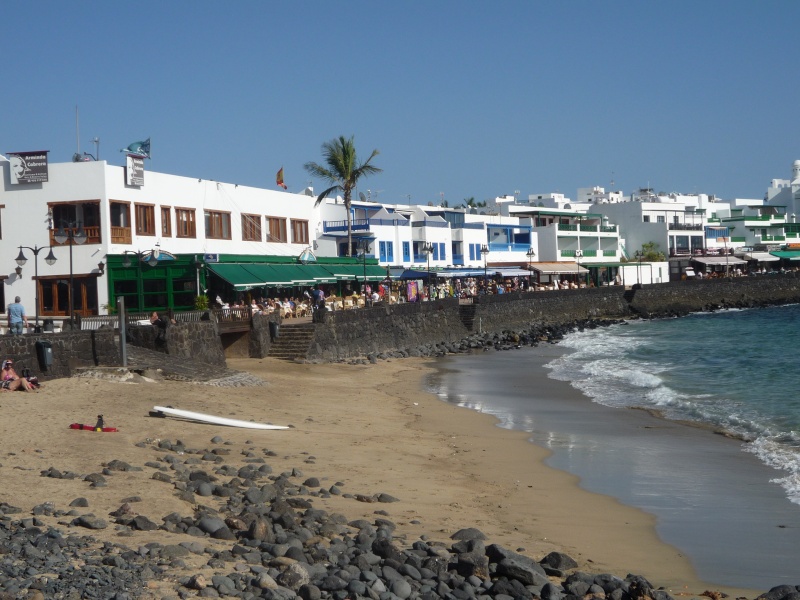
[(10, 381)]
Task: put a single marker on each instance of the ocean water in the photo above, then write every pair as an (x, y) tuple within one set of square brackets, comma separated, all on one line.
[(734, 371), (730, 503)]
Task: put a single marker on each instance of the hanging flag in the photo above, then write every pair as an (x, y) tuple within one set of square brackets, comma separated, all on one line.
[(138, 149), (279, 178)]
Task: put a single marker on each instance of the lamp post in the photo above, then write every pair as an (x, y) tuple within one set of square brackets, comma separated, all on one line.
[(152, 261), (74, 234), (362, 247), (530, 254), (50, 259), (428, 250), (485, 253), (578, 255), (638, 257)]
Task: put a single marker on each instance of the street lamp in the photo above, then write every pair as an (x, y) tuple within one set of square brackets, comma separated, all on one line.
[(578, 255), (50, 259), (484, 253), (362, 247), (428, 250), (74, 234), (638, 256), (152, 260), (530, 254)]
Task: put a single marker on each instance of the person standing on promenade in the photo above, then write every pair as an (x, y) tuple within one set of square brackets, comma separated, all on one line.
[(16, 317)]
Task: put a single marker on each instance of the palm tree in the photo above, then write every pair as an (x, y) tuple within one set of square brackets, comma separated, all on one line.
[(342, 171), (470, 203)]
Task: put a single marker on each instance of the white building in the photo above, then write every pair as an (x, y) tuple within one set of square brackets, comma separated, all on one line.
[(194, 231)]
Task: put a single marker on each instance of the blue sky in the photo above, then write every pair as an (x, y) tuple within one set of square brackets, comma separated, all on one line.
[(462, 99)]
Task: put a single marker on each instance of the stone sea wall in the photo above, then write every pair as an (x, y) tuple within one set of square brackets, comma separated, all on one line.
[(70, 350), (347, 334)]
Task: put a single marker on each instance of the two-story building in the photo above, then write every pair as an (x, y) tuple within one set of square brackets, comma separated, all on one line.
[(157, 241)]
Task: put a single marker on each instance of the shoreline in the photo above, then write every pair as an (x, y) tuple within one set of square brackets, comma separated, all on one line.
[(626, 454), (370, 428)]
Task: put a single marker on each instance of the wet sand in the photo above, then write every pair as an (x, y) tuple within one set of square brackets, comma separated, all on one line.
[(368, 427), (711, 499)]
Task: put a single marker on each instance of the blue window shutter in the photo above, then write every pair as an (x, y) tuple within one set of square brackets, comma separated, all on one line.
[(390, 251), (442, 254), (406, 252), (383, 251)]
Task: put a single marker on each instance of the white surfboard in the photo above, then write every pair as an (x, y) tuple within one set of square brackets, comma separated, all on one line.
[(195, 416)]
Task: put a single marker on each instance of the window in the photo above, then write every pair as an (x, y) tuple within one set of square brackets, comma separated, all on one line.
[(184, 223), (646, 218), (166, 221), (251, 228), (277, 229), (386, 250), (218, 225), (406, 252), (442, 255), (145, 219), (661, 219), (299, 231)]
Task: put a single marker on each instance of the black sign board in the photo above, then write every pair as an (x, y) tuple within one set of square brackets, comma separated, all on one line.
[(28, 167)]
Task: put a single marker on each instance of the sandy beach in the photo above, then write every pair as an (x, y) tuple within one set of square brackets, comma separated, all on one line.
[(369, 428)]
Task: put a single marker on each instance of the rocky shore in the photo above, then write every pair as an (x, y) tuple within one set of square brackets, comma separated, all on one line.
[(253, 533), (480, 342)]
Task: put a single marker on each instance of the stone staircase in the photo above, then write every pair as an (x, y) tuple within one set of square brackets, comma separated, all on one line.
[(466, 312), (294, 341)]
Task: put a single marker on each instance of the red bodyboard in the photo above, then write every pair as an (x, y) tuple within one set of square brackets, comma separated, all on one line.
[(92, 428)]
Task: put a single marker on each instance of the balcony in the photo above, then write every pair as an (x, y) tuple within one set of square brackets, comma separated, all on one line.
[(685, 227), (355, 225), (121, 235), (586, 253), (458, 259), (92, 234), (508, 247)]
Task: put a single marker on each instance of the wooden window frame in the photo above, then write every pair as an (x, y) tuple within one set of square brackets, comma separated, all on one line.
[(251, 228), (166, 221), (281, 237), (215, 224), (190, 224), (299, 226), (145, 218)]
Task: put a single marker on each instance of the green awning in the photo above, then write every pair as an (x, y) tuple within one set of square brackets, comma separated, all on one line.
[(788, 254), (357, 272), (237, 275), (246, 276)]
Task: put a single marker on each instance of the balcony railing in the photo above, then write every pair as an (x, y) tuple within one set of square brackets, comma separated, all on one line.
[(685, 226), (427, 223), (92, 234), (121, 235), (508, 247), (458, 259), (355, 225), (468, 226)]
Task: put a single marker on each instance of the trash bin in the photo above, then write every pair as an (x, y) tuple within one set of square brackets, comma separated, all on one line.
[(44, 352), (274, 330), (48, 325)]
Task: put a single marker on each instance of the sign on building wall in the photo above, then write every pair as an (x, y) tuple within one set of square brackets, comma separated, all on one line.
[(134, 171), (28, 167)]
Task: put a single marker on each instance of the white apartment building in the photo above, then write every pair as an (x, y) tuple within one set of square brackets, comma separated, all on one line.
[(158, 243)]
